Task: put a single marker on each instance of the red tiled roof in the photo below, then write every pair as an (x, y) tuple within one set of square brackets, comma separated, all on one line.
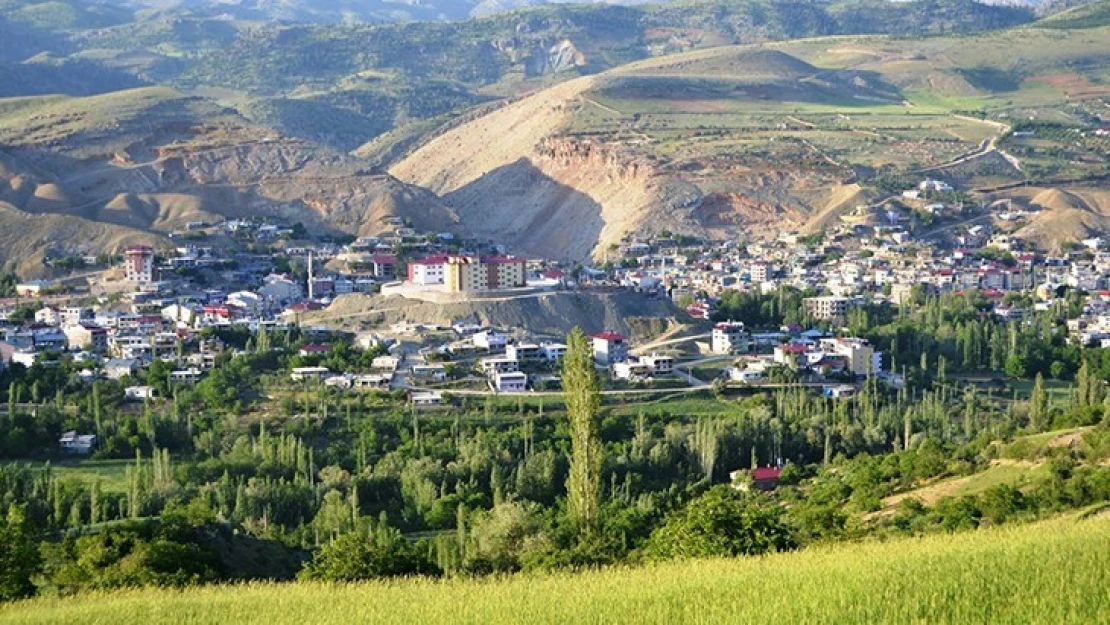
[(766, 473), (609, 335)]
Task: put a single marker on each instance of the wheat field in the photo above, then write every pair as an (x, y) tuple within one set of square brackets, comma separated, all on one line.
[(1050, 572)]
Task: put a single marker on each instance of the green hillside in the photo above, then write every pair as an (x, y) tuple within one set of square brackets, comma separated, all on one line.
[(1007, 575)]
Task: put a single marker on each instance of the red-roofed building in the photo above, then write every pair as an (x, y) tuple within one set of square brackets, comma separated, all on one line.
[(309, 350), (766, 478), (428, 271), (385, 266), (610, 347)]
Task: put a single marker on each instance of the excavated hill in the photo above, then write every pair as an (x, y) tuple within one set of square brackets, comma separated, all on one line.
[(526, 173), (550, 314), (151, 160), (1065, 215)]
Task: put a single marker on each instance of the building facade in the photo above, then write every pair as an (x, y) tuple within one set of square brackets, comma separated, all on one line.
[(138, 264)]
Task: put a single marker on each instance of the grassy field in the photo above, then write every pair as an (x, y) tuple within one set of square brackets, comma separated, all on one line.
[(110, 473), (1050, 572)]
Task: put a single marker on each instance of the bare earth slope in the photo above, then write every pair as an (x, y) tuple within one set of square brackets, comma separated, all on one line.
[(750, 141), (151, 160), (551, 314)]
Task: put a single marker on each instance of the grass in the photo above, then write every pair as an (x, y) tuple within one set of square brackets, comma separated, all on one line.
[(1058, 391), (110, 473), (1055, 571)]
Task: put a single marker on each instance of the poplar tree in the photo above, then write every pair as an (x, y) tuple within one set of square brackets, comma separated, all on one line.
[(582, 389)]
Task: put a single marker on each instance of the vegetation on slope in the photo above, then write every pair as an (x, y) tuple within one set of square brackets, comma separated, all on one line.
[(1056, 570)]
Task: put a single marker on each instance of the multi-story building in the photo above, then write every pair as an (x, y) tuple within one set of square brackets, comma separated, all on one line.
[(427, 271), (610, 347), (486, 273), (524, 352), (759, 271), (86, 337), (138, 264), (74, 315), (553, 351), (861, 356), (730, 337), (827, 307)]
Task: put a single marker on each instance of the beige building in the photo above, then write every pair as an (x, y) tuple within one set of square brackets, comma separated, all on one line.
[(827, 307), (488, 273), (861, 356)]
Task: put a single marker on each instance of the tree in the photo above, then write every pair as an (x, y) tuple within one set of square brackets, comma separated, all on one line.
[(1038, 404), (19, 559), (377, 551), (583, 400), (722, 522)]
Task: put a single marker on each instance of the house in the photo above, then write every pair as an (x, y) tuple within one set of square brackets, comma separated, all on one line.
[(308, 373), (760, 478), (730, 337), (434, 373), (609, 347), (861, 356), (745, 375), (86, 337), (552, 352), (314, 350), (117, 368), (524, 352), (385, 266), (188, 376), (32, 288), (426, 398), (74, 443), (138, 393), (659, 364), (338, 381), (631, 370), (371, 381), (509, 382), (502, 364), (427, 271), (385, 363), (490, 340), (791, 355)]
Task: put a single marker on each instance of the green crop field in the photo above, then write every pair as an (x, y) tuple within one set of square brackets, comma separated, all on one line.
[(1051, 572)]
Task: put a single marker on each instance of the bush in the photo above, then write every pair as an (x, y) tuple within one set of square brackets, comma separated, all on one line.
[(722, 522)]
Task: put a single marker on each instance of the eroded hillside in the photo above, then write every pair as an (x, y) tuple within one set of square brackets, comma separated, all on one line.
[(754, 140), (143, 163)]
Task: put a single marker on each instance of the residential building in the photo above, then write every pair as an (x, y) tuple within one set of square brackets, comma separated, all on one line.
[(499, 365), (553, 351), (86, 337), (427, 271), (75, 443), (861, 356), (485, 273), (509, 382), (659, 364), (827, 307), (524, 352), (490, 340), (609, 347), (730, 337), (433, 373), (138, 264)]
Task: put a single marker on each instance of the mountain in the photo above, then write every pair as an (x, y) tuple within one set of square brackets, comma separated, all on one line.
[(751, 140), (557, 128), (141, 163)]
